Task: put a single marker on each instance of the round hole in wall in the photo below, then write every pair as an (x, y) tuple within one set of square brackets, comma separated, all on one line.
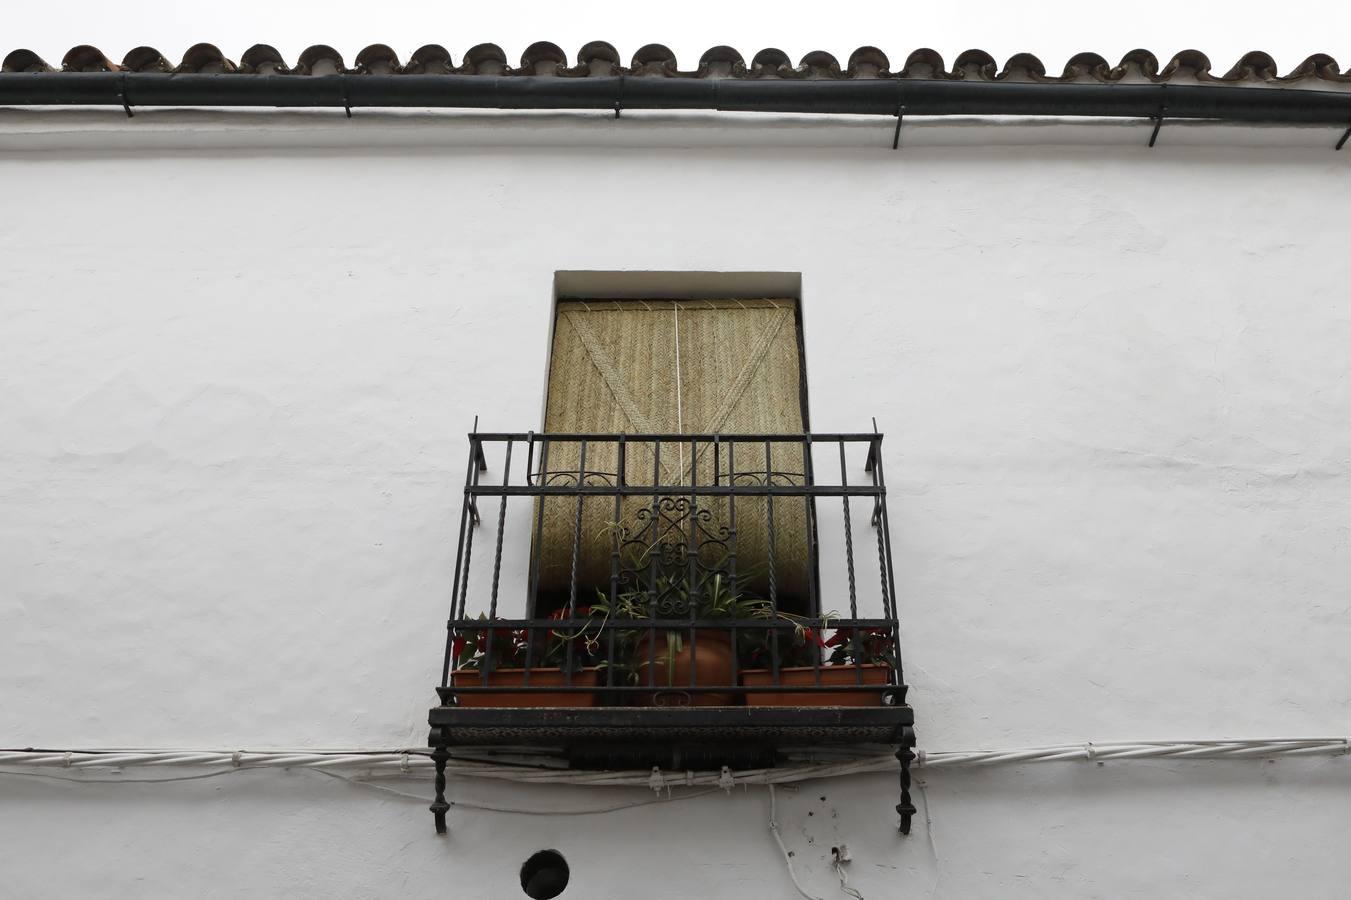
[(544, 875)]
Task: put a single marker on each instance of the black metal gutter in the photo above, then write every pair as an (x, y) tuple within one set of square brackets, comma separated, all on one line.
[(845, 97)]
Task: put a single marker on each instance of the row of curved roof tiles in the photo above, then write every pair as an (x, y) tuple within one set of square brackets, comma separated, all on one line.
[(600, 58)]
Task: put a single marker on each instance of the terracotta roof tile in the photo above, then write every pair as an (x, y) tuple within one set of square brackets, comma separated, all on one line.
[(429, 59), (658, 61), (262, 59)]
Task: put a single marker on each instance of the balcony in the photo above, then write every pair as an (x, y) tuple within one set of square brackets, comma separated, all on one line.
[(682, 601)]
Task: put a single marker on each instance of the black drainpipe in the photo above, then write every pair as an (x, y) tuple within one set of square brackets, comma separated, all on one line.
[(888, 97)]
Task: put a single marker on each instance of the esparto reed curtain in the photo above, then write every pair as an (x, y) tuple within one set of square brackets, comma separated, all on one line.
[(663, 367)]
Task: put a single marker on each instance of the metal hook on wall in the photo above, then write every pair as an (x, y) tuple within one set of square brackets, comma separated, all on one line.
[(122, 94), (1158, 120)]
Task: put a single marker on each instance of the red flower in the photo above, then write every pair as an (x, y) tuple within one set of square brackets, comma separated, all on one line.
[(875, 640), (839, 637)]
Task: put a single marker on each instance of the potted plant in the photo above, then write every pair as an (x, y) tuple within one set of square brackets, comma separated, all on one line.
[(851, 657), (667, 658), (505, 665)]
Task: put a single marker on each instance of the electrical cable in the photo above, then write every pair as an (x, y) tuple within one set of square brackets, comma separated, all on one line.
[(773, 823), (778, 839), (545, 769), (127, 780), (929, 836), (467, 804), (844, 879), (527, 766)]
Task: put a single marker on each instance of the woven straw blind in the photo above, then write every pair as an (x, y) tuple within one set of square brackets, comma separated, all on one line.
[(662, 367)]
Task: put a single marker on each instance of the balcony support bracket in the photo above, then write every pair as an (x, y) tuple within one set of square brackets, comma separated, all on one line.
[(439, 807), (905, 754)]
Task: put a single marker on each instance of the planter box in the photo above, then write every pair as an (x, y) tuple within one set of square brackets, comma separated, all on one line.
[(805, 676), (713, 667), (527, 696)]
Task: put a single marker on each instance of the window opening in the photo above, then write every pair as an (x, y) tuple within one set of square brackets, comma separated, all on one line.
[(674, 367)]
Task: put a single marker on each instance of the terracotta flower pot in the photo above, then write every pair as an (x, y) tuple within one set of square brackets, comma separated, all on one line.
[(805, 676), (713, 666), (528, 696)]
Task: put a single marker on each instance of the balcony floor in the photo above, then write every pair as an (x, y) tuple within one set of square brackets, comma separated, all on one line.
[(666, 736)]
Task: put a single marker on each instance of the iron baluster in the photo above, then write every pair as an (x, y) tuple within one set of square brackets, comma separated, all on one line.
[(620, 479), (889, 590), (809, 514), (577, 531), (731, 581), (691, 555), (487, 666), (501, 530), (531, 600), (456, 602), (731, 514), (773, 586), (848, 538), (652, 572), (480, 466), (576, 547), (537, 551), (813, 600)]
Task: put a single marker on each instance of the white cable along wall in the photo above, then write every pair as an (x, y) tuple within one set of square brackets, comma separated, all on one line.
[(528, 767), (524, 768)]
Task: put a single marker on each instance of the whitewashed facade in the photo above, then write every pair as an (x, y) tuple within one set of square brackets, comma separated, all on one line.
[(239, 353)]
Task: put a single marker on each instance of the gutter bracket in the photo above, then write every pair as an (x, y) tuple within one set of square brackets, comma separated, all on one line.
[(122, 94), (1345, 136), (900, 115), (1158, 120), (346, 102)]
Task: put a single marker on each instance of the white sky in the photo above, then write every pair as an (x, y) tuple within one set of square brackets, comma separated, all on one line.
[(1052, 29)]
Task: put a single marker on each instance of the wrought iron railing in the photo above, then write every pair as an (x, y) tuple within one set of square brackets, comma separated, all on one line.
[(673, 570), (673, 600)]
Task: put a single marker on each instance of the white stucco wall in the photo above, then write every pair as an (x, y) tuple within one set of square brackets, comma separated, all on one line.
[(237, 363)]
